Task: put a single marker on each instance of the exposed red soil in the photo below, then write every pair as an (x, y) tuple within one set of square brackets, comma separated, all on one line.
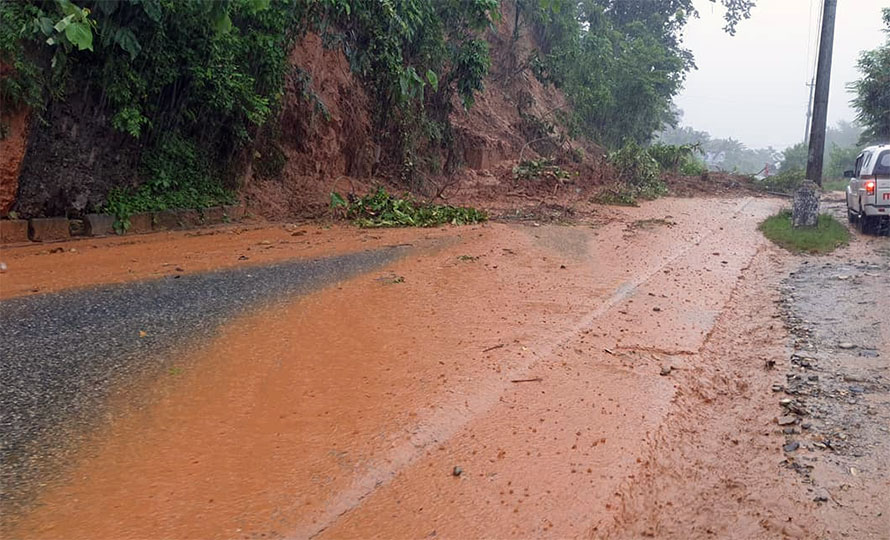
[(326, 133), (344, 413), (12, 152)]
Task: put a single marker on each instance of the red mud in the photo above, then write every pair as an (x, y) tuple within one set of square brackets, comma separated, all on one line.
[(42, 268), (345, 413)]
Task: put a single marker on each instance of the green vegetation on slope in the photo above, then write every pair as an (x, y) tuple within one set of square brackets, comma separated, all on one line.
[(828, 234), (205, 78), (202, 77)]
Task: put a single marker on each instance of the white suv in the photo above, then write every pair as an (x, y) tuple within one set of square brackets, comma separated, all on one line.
[(868, 193)]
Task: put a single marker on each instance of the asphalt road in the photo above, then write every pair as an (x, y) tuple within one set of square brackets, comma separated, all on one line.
[(61, 354)]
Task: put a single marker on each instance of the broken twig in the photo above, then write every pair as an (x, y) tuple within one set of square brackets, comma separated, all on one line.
[(536, 379)]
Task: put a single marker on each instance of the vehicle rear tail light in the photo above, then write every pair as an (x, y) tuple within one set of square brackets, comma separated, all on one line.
[(870, 187)]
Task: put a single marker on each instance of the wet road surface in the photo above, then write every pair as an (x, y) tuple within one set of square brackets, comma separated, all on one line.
[(519, 381)]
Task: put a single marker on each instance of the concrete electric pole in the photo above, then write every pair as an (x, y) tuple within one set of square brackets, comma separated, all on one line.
[(820, 101)]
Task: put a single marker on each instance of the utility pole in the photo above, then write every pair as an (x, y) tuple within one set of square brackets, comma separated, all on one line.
[(806, 128), (820, 101)]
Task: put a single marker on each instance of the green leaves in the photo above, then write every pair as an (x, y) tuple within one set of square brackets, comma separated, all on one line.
[(872, 101), (337, 201), (433, 79), (380, 209), (127, 41), (80, 35)]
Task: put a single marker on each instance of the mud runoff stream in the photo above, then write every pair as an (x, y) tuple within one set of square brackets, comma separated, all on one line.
[(599, 381)]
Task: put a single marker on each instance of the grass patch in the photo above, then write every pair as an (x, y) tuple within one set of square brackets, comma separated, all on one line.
[(380, 209), (834, 185), (828, 234)]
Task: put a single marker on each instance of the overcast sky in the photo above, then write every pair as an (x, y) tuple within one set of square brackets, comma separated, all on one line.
[(751, 86)]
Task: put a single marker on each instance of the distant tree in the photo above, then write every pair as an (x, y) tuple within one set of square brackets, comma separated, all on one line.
[(840, 159), (795, 157), (844, 134), (620, 62), (872, 100), (683, 135)]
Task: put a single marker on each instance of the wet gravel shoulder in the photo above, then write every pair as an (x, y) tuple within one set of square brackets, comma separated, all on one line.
[(63, 354), (834, 402)]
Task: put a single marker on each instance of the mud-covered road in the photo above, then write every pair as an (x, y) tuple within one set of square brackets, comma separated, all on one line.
[(622, 377)]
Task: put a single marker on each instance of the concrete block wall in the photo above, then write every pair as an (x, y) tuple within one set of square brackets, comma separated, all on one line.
[(14, 231)]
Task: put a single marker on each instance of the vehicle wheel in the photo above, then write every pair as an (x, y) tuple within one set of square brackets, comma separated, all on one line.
[(866, 224), (851, 217)]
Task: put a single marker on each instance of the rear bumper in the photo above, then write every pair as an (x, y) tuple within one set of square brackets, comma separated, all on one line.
[(877, 210)]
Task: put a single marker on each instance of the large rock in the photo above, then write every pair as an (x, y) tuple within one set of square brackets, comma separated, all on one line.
[(805, 210)]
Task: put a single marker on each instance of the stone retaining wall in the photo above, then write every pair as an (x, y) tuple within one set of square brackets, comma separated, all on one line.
[(13, 231)]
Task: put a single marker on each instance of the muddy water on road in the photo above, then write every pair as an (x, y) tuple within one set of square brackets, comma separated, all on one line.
[(346, 413)]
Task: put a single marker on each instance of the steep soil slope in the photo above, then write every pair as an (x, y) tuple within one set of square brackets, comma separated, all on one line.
[(327, 136)]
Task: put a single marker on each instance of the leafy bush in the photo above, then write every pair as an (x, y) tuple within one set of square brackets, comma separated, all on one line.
[(679, 158), (693, 167), (179, 176), (380, 209), (671, 156), (639, 176), (784, 182)]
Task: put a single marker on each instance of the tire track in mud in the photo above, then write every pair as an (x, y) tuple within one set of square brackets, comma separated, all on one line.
[(451, 418)]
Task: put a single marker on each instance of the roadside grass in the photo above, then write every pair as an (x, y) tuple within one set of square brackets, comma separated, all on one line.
[(835, 185), (828, 234)]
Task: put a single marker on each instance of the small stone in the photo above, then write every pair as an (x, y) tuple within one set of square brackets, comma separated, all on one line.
[(787, 420), (846, 345), (789, 431), (785, 402), (656, 309), (2, 267), (666, 370), (806, 425), (857, 389), (791, 447), (457, 471), (777, 388)]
